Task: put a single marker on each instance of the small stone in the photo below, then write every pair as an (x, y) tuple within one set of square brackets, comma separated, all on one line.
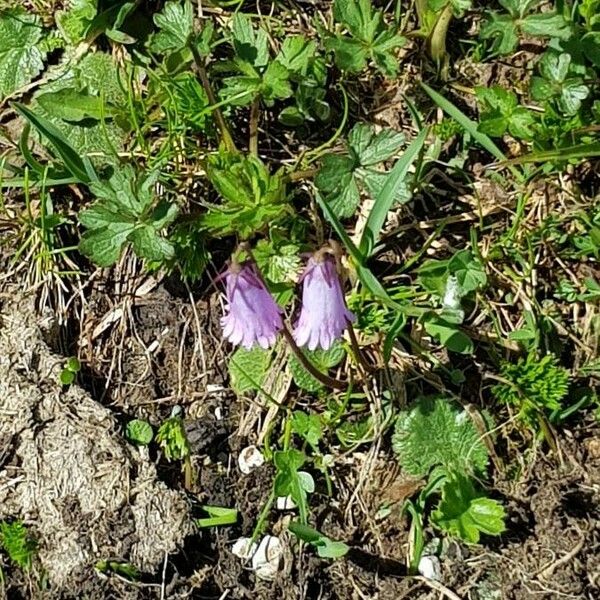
[(285, 503), (266, 561), (266, 556), (250, 458), (244, 548), (429, 566)]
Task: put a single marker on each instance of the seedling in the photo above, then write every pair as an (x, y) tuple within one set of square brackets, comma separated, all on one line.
[(69, 373)]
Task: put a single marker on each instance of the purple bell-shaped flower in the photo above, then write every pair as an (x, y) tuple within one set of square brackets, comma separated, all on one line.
[(252, 315), (323, 316)]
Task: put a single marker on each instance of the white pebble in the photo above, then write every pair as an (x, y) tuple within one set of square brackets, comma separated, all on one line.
[(285, 503), (266, 556), (250, 458), (266, 561), (429, 566)]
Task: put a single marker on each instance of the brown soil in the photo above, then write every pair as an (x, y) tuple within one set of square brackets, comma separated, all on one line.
[(88, 495)]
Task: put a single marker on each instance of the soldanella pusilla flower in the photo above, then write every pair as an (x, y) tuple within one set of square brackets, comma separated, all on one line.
[(253, 317), (323, 315)]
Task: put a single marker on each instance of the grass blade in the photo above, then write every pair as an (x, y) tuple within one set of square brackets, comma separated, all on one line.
[(354, 252), (80, 167), (470, 127), (364, 273), (569, 153), (385, 199)]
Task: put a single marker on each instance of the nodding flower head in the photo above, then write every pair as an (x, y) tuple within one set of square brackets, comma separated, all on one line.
[(252, 315), (323, 316)]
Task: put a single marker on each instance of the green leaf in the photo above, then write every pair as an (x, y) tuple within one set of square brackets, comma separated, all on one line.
[(279, 262), (555, 83), (307, 426), (590, 12), (73, 364), (296, 54), (251, 196), (240, 90), (290, 481), (554, 67), (350, 55), (358, 16), (469, 126), (436, 433), (384, 201), (172, 438), (469, 271), (323, 360), (326, 547), (369, 38), (176, 24), (123, 569), (189, 100), (16, 541), (340, 175), (533, 385), (344, 196), (383, 51), (74, 22), (126, 211), (546, 25), (466, 513), (372, 148), (251, 45), (79, 167), (447, 332), (139, 432), (99, 74), (104, 245), (218, 516), (335, 173), (291, 116), (97, 78), (504, 29), (275, 83), (67, 377), (503, 33), (248, 369), (73, 105), (500, 112), (21, 58), (115, 19), (148, 243), (433, 274)]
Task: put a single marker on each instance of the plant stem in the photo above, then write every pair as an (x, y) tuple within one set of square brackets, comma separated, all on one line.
[(369, 368), (254, 116), (298, 175), (221, 124), (324, 379)]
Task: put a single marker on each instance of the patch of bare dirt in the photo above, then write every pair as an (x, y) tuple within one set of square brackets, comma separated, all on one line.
[(68, 473)]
